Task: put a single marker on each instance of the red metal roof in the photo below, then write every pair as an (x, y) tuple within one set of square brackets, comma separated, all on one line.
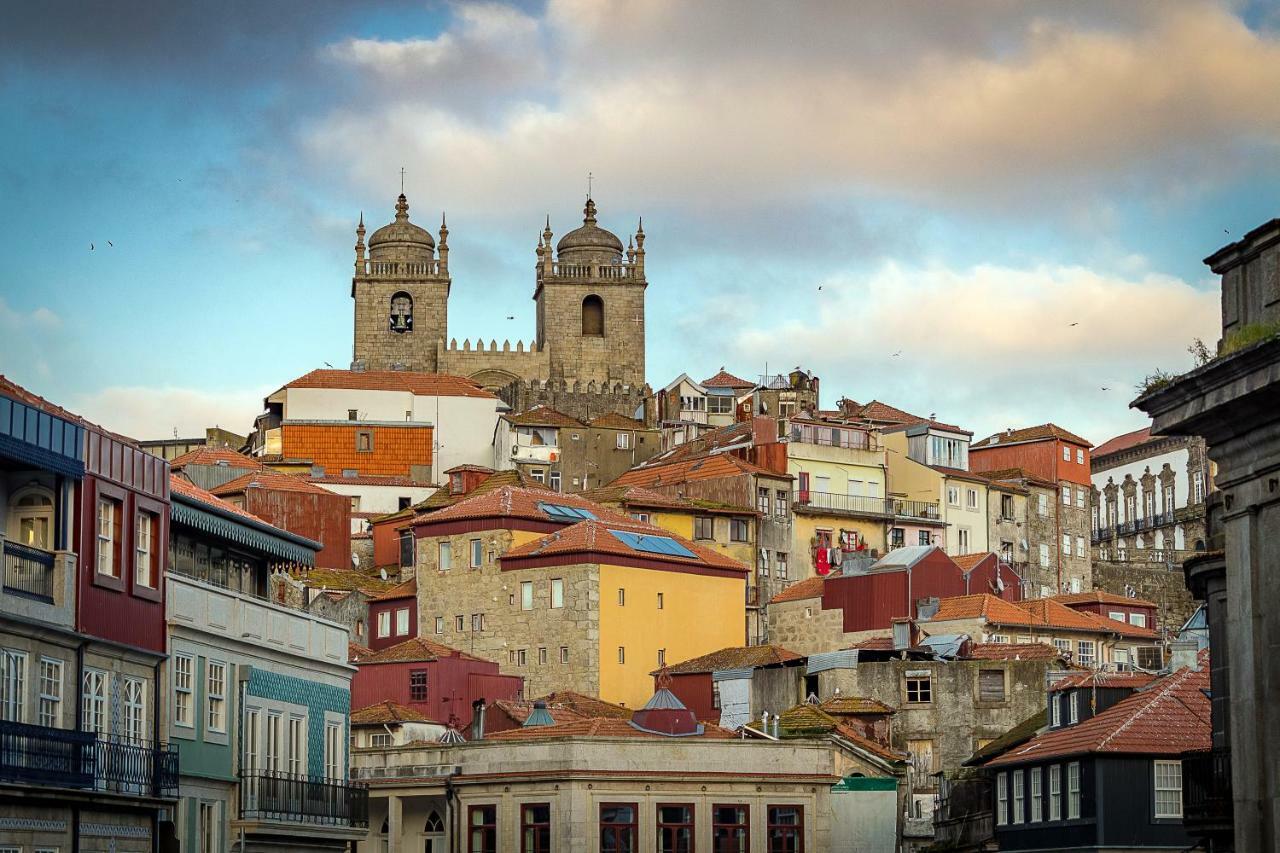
[(420, 384), (1123, 442)]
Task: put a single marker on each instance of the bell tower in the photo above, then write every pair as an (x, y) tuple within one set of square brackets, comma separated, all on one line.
[(401, 293)]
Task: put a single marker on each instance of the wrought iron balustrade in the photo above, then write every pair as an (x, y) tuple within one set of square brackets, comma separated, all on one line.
[(917, 509), (851, 504), (68, 758), (28, 570), (293, 798), (1206, 779)]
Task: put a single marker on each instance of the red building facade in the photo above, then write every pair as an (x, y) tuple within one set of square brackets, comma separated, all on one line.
[(302, 508), (393, 616)]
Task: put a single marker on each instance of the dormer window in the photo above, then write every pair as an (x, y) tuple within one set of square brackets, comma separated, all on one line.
[(455, 484), (401, 313)]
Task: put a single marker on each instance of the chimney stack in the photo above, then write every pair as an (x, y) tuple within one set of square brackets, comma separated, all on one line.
[(1184, 653), (477, 719)]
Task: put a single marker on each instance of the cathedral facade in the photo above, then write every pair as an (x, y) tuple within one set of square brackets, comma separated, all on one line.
[(589, 293)]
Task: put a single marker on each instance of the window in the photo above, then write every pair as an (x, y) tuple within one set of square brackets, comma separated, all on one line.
[(919, 688), (1085, 653), (1168, 788), (459, 623), (108, 537), (1037, 805), (526, 595), (1055, 792), (1073, 790), (50, 711), (1018, 795), (334, 763), (1006, 506), (384, 623), (922, 762), (146, 555), (619, 828), (730, 829), (675, 828), (962, 537), (923, 537), (704, 527), (364, 441), (564, 654), (1073, 706), (1080, 552), (535, 828), (1079, 497), (381, 739), (662, 658), (781, 504), (762, 501), (271, 754), (622, 597), (1002, 799), (554, 480), (135, 691), (661, 601), (216, 695), (477, 553), (991, 685), (295, 744), (401, 317), (13, 685), (715, 695), (1168, 498), (1042, 503), (782, 565), (522, 657), (1079, 456), (446, 555), (557, 592), (624, 441), (971, 498), (897, 537), (764, 563), (1055, 706), (1117, 615), (207, 828), (641, 516), (1138, 619), (402, 621), (953, 495), (1066, 496), (93, 705), (418, 685), (183, 667), (1066, 544), (542, 656), (622, 654), (785, 829), (439, 624), (720, 405), (593, 316)]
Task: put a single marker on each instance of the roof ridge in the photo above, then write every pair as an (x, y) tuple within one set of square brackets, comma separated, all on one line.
[(1181, 678)]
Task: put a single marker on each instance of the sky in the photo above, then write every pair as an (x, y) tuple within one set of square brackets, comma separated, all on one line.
[(994, 211)]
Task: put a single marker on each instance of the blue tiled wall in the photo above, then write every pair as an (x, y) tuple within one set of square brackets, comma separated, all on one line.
[(318, 699)]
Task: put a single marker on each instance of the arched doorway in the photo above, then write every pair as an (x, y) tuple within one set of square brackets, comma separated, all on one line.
[(31, 517), (593, 316), (433, 833)]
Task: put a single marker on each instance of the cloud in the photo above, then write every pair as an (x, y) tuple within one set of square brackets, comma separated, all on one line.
[(40, 318), (155, 413)]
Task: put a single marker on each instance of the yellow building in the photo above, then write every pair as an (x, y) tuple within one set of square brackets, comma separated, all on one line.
[(571, 594), (960, 496)]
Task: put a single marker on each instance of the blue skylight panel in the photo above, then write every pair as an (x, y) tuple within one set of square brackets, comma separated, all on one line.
[(653, 544)]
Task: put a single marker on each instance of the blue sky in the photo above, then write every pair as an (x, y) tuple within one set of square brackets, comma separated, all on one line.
[(964, 182)]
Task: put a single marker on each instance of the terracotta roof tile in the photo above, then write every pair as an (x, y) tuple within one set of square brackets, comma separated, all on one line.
[(1013, 651), (1093, 678), (1098, 596), (1168, 717), (385, 713), (959, 473), (1036, 612), (345, 580), (877, 643), (1014, 474), (739, 434), (417, 649), (272, 481), (215, 456), (807, 588), (613, 420), (639, 496), (370, 480), (1123, 442), (356, 652), (419, 384), (180, 485), (736, 657), (506, 502), (603, 727), (708, 467), (724, 379), (887, 753), (1043, 432), (408, 589), (967, 562), (595, 538), (982, 605), (855, 705), (518, 710), (588, 706), (543, 416)]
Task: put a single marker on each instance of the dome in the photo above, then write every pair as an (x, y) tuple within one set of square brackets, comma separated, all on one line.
[(590, 236), (402, 234)]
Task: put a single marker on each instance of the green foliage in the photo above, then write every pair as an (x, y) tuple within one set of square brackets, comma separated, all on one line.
[(1154, 382), (1200, 353), (1247, 336)]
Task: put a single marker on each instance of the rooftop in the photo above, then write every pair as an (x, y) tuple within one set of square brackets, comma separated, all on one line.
[(1013, 651), (639, 496), (724, 379), (807, 588), (1123, 442), (601, 727), (613, 420), (597, 538), (1043, 432), (419, 384), (1098, 596), (408, 589), (214, 456), (386, 713), (508, 502), (265, 478), (707, 467), (736, 657), (417, 650), (967, 562), (1035, 613), (543, 416), (855, 705)]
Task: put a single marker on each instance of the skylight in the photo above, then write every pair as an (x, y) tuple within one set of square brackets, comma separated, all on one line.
[(653, 544), (560, 512)]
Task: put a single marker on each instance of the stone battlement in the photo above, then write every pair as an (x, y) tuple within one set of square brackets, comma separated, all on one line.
[(583, 400), (493, 346)]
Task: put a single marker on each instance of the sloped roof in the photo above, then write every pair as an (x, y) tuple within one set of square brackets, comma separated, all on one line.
[(443, 497), (365, 581), (1019, 734), (982, 605), (543, 416), (1013, 651), (214, 456), (357, 652), (855, 705), (736, 657), (1097, 596), (408, 589), (518, 711), (596, 538), (1092, 678), (904, 557), (604, 727), (588, 706), (1043, 432), (507, 501), (613, 420), (806, 720), (1059, 615), (1036, 612), (708, 467), (739, 434), (967, 562), (419, 384), (1168, 717), (959, 473), (265, 478), (386, 713), (807, 588), (1123, 442), (639, 496), (725, 379), (370, 480), (417, 649), (1007, 474)]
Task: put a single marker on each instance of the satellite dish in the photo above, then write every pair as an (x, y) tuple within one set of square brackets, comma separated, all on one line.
[(382, 573)]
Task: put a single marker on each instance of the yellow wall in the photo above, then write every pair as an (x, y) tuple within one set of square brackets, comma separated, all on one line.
[(700, 614), (974, 520), (908, 478), (680, 523), (804, 528)]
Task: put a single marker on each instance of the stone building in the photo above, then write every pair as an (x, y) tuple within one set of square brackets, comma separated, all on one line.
[(569, 454), (1035, 531), (589, 295)]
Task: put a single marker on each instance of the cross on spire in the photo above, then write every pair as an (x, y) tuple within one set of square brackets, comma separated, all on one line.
[(402, 180), (589, 177)]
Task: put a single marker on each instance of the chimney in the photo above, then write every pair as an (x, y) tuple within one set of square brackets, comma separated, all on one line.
[(1184, 653), (477, 719)]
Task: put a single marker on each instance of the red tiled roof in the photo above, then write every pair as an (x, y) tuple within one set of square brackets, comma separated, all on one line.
[(518, 710), (838, 705), (613, 420), (1123, 442), (1006, 474), (356, 652), (807, 588), (180, 485), (1036, 613), (1056, 614), (1013, 651), (588, 706), (959, 473), (877, 643), (417, 649), (709, 467), (507, 502), (1098, 596), (479, 469), (739, 434), (1092, 678), (370, 480), (639, 496), (735, 657), (543, 416), (1169, 717), (595, 538), (724, 379), (600, 727), (1043, 432), (966, 562), (807, 720), (270, 480), (982, 605), (420, 384), (408, 589), (215, 456), (385, 713)]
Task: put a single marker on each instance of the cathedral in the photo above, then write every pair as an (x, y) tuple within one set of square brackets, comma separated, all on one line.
[(587, 355)]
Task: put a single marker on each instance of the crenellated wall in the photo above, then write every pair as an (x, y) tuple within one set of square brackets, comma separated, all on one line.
[(493, 365), (583, 400)]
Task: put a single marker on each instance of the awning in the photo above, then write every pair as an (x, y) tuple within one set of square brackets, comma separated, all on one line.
[(242, 533)]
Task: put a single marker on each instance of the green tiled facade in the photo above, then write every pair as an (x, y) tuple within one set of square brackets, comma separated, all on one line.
[(317, 698)]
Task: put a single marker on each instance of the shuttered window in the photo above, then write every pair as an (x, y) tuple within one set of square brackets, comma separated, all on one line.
[(991, 685)]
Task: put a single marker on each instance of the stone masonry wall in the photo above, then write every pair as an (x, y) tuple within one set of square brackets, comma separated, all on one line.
[(1152, 581), (618, 355), (582, 399), (379, 348), (488, 364)]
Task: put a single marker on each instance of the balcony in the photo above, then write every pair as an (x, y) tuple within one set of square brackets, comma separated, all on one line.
[(916, 510), (28, 571), (272, 796), (828, 503), (68, 758), (542, 453), (848, 439), (1207, 806)]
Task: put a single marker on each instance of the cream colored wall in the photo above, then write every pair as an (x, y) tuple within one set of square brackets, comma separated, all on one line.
[(975, 520), (804, 529), (908, 478)]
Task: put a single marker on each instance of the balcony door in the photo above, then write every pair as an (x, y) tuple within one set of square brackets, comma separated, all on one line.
[(251, 763), (31, 518)]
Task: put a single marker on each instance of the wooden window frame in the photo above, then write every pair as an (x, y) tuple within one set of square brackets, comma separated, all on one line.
[(488, 830), (534, 845), (771, 825), (660, 826), (633, 827), (744, 824)]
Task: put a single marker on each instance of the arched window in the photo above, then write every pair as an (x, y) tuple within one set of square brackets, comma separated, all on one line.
[(433, 834), (401, 313), (31, 517), (434, 823), (593, 315)]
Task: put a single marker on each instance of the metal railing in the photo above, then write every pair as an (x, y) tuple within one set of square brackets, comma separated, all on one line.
[(917, 509), (28, 570), (826, 436), (69, 758), (292, 798), (1206, 780), (851, 504)]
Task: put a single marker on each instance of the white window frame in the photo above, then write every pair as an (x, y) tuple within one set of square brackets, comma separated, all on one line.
[(1043, 503), (107, 509), (143, 538), (1079, 498), (1090, 659), (13, 685), (1073, 790), (296, 744), (564, 654), (953, 495), (1073, 705), (1066, 453), (624, 441), (184, 675), (216, 699), (1019, 795), (1172, 774), (1080, 552), (1055, 792), (444, 555), (439, 624), (402, 621), (971, 499), (1002, 799), (384, 624), (333, 757), (1138, 620), (1044, 555), (1037, 804), (475, 553), (1066, 544), (526, 595), (1055, 706), (93, 705), (1079, 456), (1066, 495), (557, 593), (135, 709), (273, 742), (49, 710)]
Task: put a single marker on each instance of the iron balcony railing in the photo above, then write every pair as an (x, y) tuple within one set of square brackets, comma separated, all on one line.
[(849, 439), (68, 758), (292, 798), (1206, 779), (28, 570), (928, 510), (849, 504)]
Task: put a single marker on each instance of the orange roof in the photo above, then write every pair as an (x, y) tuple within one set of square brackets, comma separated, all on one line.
[(1043, 432), (1169, 717), (596, 538), (807, 588), (1123, 442), (735, 657), (639, 496), (506, 502), (180, 485), (1056, 614), (838, 705), (599, 727), (345, 580), (966, 562), (415, 650), (543, 416), (613, 420), (372, 480), (724, 379), (709, 467), (1013, 651), (1036, 613), (385, 713), (588, 706), (408, 589), (420, 384), (1104, 679), (1006, 474), (518, 710), (982, 605), (270, 480), (395, 448), (215, 456), (356, 652), (1098, 596)]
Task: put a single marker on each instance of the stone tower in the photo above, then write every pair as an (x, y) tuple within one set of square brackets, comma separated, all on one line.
[(590, 304), (401, 294)]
